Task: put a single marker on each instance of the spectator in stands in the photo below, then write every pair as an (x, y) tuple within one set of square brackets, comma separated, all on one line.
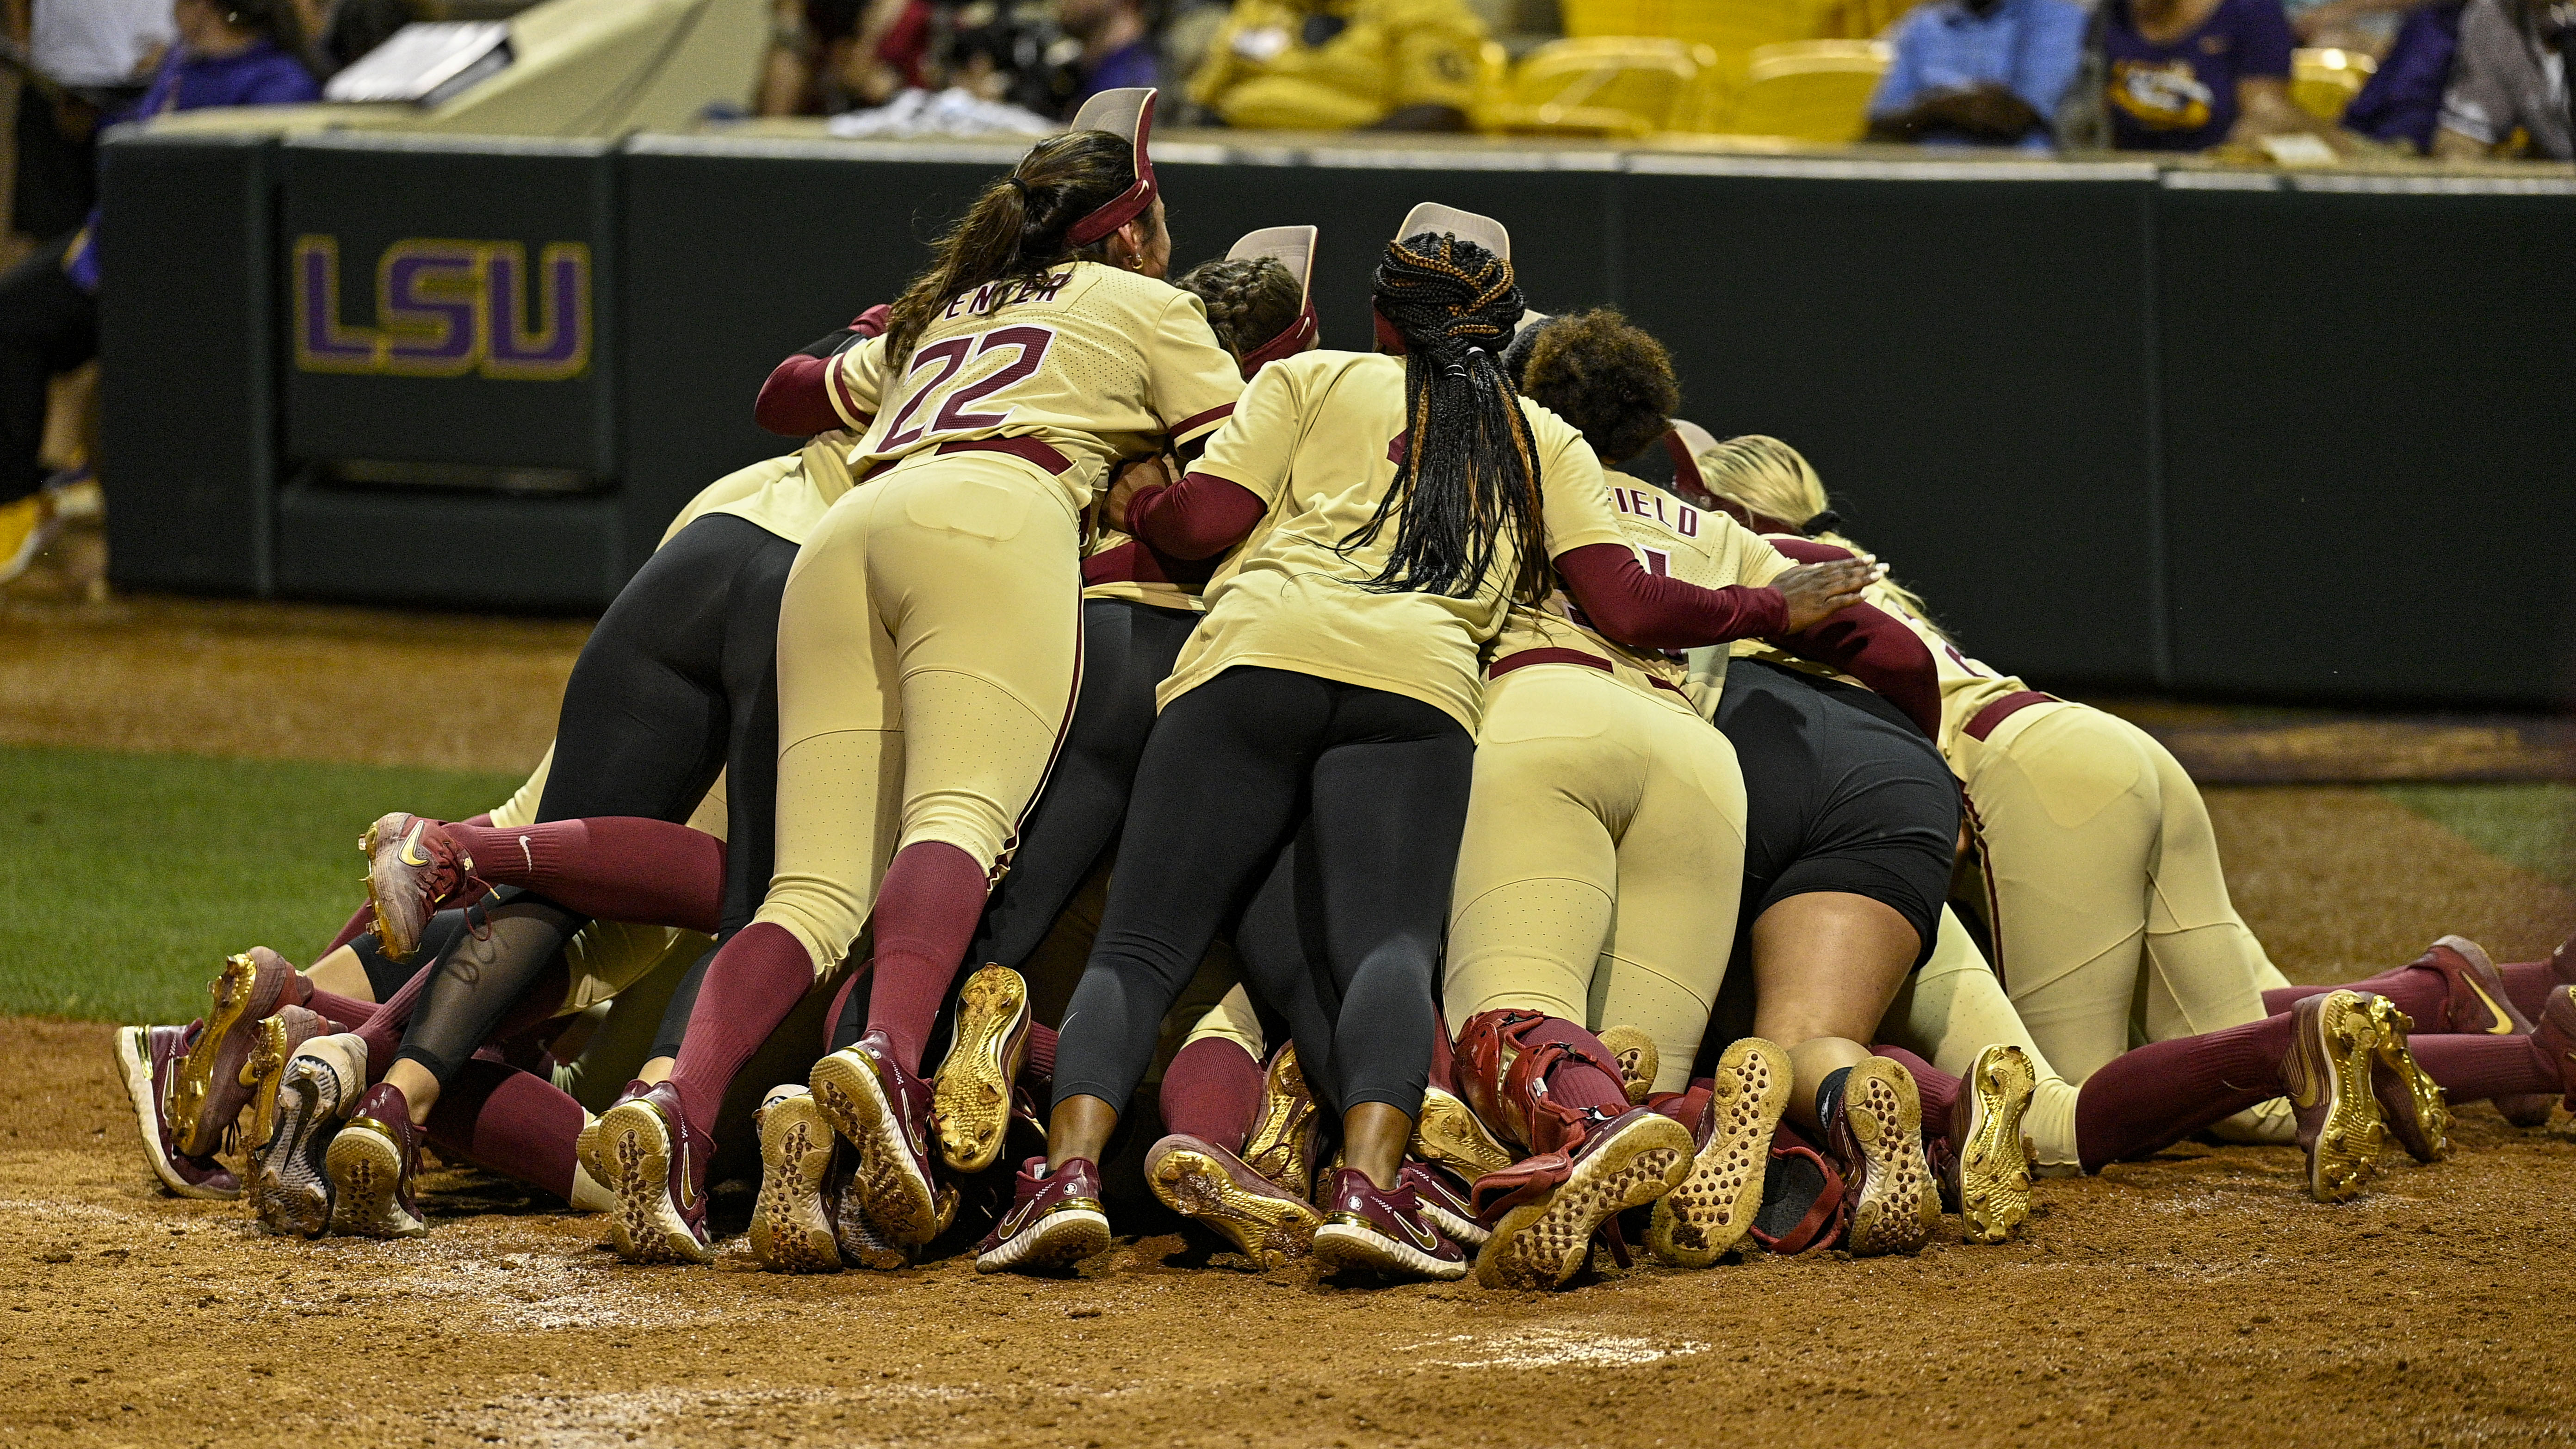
[(2510, 77), (344, 30), (228, 53), (2186, 75), (1979, 73), (1117, 47), (86, 57), (1331, 65), (2403, 98)]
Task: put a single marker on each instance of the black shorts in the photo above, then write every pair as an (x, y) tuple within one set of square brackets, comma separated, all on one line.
[(1843, 793)]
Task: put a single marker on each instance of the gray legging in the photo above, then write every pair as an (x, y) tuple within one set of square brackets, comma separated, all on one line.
[(1373, 787)]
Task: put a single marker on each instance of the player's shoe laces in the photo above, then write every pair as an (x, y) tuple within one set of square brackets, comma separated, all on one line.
[(644, 1150), (1054, 1218), (2327, 1077), (2411, 1104), (885, 1111), (290, 1189), (1211, 1186), (1874, 1128), (1384, 1231), (1713, 1208), (371, 1163), (413, 868), (148, 1058), (1986, 1167), (972, 1099), (791, 1224)]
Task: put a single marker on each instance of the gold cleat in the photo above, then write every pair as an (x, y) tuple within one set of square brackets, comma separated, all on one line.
[(971, 1095), (1450, 1133), (2411, 1103), (1638, 1061), (1207, 1184), (2328, 1080), (262, 1072), (1696, 1223), (791, 1223), (1993, 1165), (1281, 1144), (185, 1099)]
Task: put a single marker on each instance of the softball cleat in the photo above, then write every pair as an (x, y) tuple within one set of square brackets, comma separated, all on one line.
[(791, 1224), (1990, 1162), (1709, 1213), (1055, 1219), (208, 1092), (148, 1058), (2327, 1077), (1637, 1059), (886, 1112), (1281, 1144), (372, 1163), (290, 1185), (971, 1096), (412, 868), (1450, 1134), (1382, 1231), (1876, 1130), (644, 1150), (263, 1072), (1211, 1186), (1448, 1207), (2411, 1104), (1546, 1209)]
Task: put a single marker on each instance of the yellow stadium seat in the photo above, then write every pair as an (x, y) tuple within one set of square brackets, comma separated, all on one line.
[(1607, 86), (1814, 90), (2323, 82)]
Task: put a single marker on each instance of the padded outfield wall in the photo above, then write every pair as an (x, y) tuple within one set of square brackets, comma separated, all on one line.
[(2307, 437)]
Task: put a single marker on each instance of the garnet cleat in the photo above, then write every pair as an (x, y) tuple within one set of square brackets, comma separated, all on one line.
[(1876, 1133), (1211, 1186), (1545, 1209), (2556, 1035), (206, 1093), (1446, 1203), (644, 1150), (290, 1183), (1055, 1218), (1281, 1144), (1386, 1232), (2327, 1077), (148, 1058), (413, 867), (885, 1111), (2411, 1104), (1451, 1134), (1637, 1059), (971, 1101), (791, 1223), (263, 1072), (1988, 1163), (1713, 1208), (372, 1163)]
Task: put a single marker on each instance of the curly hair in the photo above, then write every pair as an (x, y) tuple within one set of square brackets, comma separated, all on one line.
[(1248, 302), (1608, 377)]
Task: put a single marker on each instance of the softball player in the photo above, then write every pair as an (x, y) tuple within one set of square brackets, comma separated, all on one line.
[(928, 644), (1392, 512)]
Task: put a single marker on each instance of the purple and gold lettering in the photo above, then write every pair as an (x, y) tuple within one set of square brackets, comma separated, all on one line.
[(448, 308), (321, 343), (559, 346)]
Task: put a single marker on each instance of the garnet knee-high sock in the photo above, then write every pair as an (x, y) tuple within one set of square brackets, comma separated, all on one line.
[(925, 914), (343, 1012), (2159, 1094), (511, 1122), (751, 985), (2475, 1068), (2528, 983), (1575, 1083), (1938, 1089), (359, 922), (2419, 991), (615, 867), (1212, 1091), (382, 1031)]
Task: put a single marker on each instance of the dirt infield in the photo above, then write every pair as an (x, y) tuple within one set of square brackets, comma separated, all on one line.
[(2195, 1299)]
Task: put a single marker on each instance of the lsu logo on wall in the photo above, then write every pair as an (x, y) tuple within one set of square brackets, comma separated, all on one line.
[(448, 308)]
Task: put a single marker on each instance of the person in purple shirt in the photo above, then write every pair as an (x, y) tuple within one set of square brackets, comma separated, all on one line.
[(2186, 75), (229, 53), (1117, 46), (1979, 73)]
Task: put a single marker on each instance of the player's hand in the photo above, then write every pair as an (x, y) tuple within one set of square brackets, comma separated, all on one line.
[(1815, 591), (1132, 479)]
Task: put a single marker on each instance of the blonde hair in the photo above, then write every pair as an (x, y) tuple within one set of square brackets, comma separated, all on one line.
[(1775, 482)]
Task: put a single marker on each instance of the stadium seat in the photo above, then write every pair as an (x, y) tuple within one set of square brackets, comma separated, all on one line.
[(1608, 86), (1813, 90), (2323, 82)]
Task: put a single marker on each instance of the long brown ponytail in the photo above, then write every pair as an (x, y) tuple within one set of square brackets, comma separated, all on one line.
[(1017, 227), (1470, 472)]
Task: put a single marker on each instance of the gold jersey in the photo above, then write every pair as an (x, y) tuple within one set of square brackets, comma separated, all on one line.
[(785, 495), (1091, 364), (1138, 586), (1671, 539), (1317, 439)]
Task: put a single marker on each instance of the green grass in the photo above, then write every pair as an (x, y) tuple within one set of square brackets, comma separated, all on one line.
[(2532, 826), (125, 879)]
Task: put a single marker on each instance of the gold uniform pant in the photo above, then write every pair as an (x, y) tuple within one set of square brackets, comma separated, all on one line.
[(2109, 904), (1603, 862), (1954, 1008), (928, 647)]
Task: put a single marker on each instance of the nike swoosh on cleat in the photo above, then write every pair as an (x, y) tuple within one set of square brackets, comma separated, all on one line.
[(2503, 1023), (411, 846)]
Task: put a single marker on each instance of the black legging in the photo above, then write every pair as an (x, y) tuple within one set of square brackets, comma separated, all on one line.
[(1380, 781), (679, 681), (1127, 650)]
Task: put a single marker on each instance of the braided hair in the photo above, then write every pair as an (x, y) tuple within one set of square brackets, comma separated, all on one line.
[(1602, 373), (1248, 302), (1470, 472), (1017, 227)]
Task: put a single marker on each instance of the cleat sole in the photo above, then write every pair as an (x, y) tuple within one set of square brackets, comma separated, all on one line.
[(1710, 1212), (1449, 1133), (1994, 1167), (971, 1096), (901, 1202), (365, 1169), (1271, 1230), (1542, 1244), (791, 1224), (1898, 1204), (290, 1181), (633, 1144), (1067, 1235), (2346, 1154)]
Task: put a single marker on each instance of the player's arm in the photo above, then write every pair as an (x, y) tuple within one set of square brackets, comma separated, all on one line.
[(1222, 498), (1191, 382), (1861, 639), (798, 399)]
